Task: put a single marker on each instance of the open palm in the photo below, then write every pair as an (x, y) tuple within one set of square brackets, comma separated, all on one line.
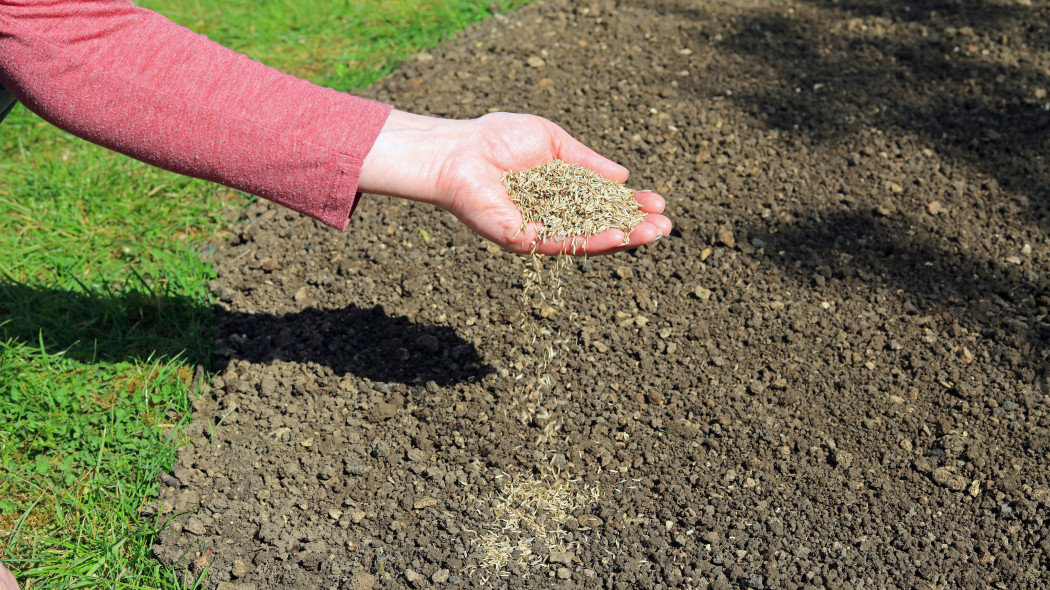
[(458, 166)]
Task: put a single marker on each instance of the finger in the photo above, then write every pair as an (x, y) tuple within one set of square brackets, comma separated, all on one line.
[(652, 228), (607, 242), (661, 222), (636, 241), (580, 245), (567, 148), (650, 202)]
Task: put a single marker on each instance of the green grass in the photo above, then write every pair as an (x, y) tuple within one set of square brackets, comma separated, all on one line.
[(104, 314), (345, 44), (104, 309)]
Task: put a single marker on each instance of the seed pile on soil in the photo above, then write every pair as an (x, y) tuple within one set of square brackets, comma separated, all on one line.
[(530, 512), (832, 374)]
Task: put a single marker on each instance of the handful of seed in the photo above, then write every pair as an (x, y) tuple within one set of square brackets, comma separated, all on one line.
[(570, 201)]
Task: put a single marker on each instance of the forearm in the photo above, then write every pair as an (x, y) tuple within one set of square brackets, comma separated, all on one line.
[(132, 81)]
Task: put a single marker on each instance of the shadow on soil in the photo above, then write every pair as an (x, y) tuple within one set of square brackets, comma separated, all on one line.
[(948, 72), (92, 327), (868, 254), (366, 342)]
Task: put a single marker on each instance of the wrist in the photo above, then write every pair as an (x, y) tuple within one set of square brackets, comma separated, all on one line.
[(407, 157)]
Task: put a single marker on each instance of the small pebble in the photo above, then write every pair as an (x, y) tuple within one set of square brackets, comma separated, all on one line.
[(561, 557), (414, 577), (724, 236), (428, 343), (423, 503), (194, 525), (945, 477), (844, 459), (169, 481), (589, 521)]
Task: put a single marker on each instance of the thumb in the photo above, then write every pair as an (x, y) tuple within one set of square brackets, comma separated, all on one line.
[(567, 148)]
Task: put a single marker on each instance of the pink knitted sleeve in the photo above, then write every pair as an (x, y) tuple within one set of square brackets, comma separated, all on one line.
[(133, 81)]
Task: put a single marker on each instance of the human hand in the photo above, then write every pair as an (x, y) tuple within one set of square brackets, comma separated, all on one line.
[(7, 580), (458, 166)]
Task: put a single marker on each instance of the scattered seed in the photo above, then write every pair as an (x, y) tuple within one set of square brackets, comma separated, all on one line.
[(567, 203)]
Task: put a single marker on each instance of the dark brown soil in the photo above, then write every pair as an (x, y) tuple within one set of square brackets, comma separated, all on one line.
[(833, 374)]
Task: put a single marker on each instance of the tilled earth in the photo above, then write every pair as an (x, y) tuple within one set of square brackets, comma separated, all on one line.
[(832, 374)]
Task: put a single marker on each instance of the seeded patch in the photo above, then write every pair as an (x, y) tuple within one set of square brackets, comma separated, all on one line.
[(529, 513)]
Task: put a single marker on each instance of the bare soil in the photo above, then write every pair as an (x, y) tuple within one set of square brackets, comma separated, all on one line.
[(832, 375)]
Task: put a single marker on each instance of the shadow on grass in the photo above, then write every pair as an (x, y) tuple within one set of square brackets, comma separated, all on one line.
[(93, 327)]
